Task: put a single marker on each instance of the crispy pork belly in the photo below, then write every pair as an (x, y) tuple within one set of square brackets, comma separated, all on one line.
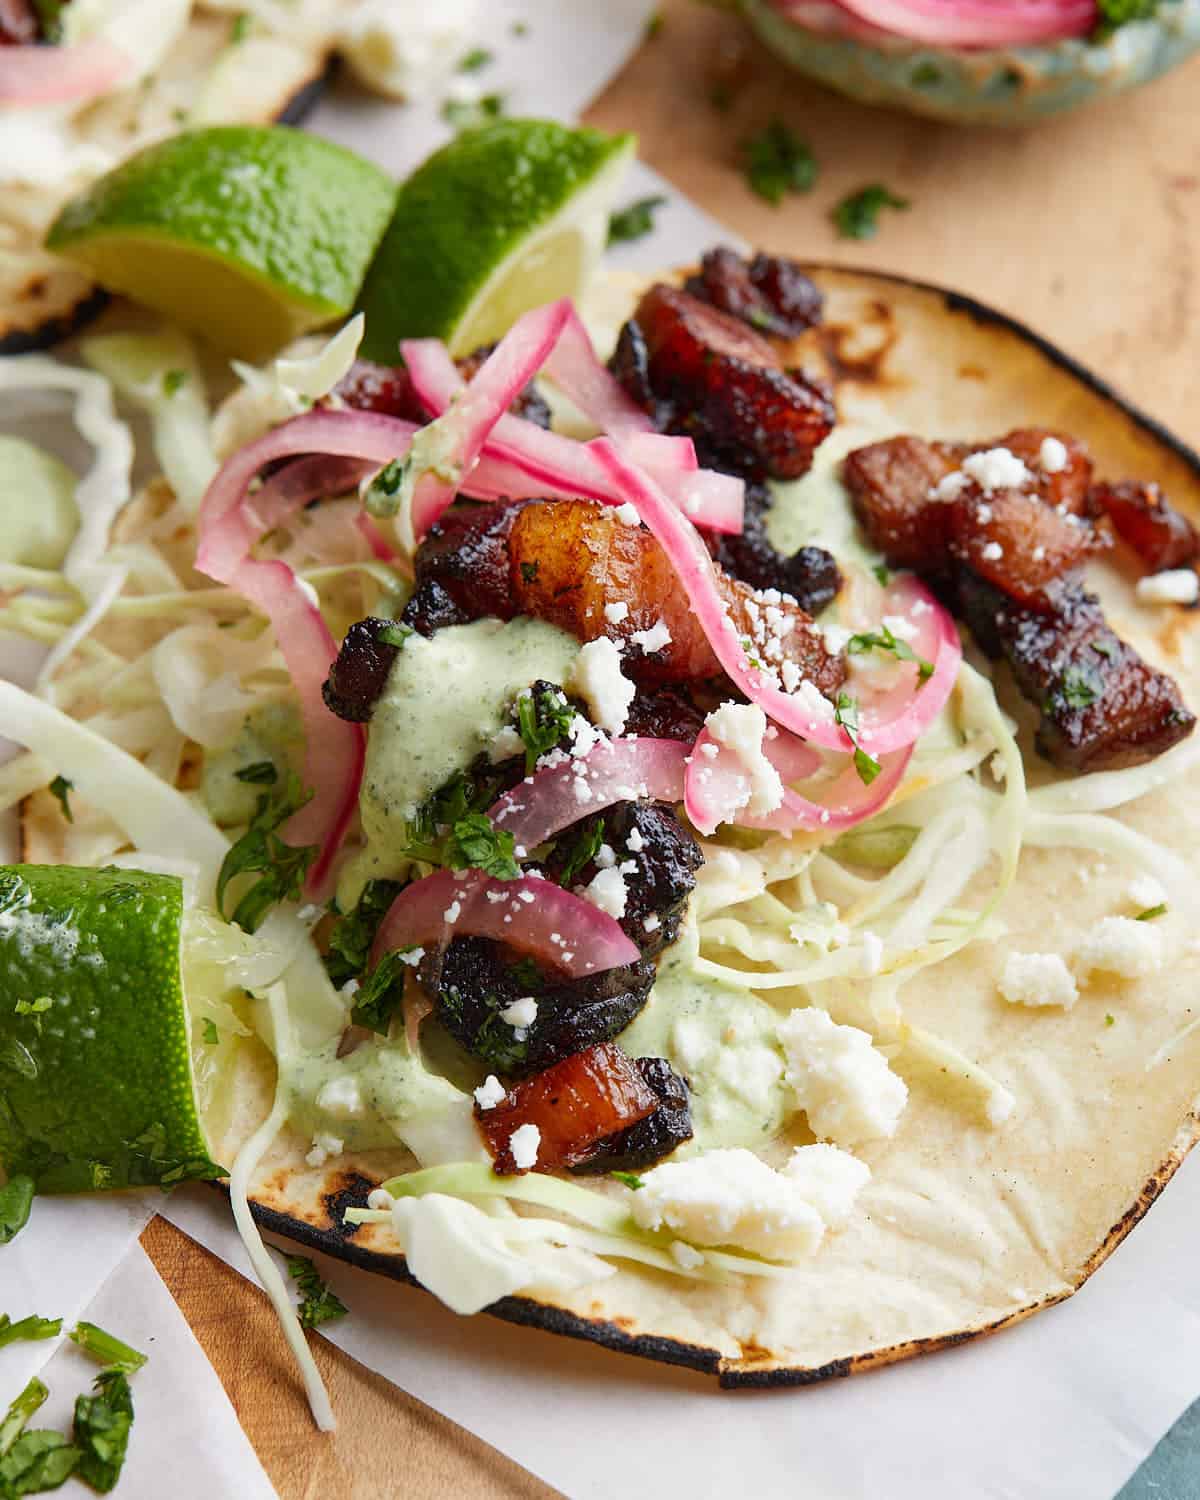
[(810, 575), (1146, 521), (770, 293)]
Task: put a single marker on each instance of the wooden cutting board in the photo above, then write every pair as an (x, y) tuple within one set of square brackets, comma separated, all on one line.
[(1087, 228)]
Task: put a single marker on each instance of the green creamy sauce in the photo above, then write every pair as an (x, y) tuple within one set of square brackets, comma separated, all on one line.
[(273, 733), (723, 1040), (446, 699), (38, 515), (815, 510)]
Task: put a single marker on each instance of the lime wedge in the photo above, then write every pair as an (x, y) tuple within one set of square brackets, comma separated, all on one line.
[(502, 219), (95, 1067), (249, 235)]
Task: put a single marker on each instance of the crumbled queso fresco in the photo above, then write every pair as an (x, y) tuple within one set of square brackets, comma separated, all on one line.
[(1038, 979), (840, 1079), (741, 727)]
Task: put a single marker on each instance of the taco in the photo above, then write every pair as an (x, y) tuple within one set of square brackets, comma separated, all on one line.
[(86, 83), (752, 856)]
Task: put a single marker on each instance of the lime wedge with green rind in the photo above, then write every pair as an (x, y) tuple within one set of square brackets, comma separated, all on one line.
[(502, 219), (249, 235), (96, 1085)]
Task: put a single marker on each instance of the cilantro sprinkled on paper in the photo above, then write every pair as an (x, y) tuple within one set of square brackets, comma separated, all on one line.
[(856, 216), (60, 788), (846, 714), (477, 58), (16, 1200), (777, 162), (29, 1329), (101, 1430), (106, 1348), (281, 866), (318, 1304), (634, 221)]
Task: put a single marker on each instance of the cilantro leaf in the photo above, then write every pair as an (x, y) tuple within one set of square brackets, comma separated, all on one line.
[(351, 940), (585, 849), (630, 1179), (260, 850), (19, 1413), (464, 114), (1114, 13), (49, 14), (37, 1462), (59, 788), (16, 1200), (212, 1037), (29, 1329), (1079, 687), (261, 773), (395, 633), (1152, 913), (544, 718), (318, 1304), (857, 215), (173, 382), (882, 574), (106, 1348), (477, 58), (381, 994), (101, 1430), (634, 221), (654, 26), (241, 30), (778, 162), (885, 639), (846, 714), (466, 792), (475, 843), (382, 496)]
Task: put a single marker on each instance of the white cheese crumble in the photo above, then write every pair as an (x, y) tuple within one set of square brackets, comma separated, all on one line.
[(830, 1179), (452, 912), (323, 1147), (490, 1092), (996, 469), (607, 891), (615, 613), (992, 552), (635, 843), (628, 514), (1052, 455), (1120, 945), (653, 639), (524, 1143), (949, 487), (1174, 586), (505, 744), (520, 1013), (741, 727), (597, 677), (686, 1256), (340, 1097), (843, 1084), (1145, 892), (730, 1197), (1038, 979), (412, 958)]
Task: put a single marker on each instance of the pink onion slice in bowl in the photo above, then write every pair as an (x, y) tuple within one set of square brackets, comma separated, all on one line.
[(618, 770), (535, 916), (977, 23)]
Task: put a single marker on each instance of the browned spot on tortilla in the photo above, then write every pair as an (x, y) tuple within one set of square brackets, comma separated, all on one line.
[(347, 1189), (1178, 626), (754, 1353), (838, 343), (972, 372)]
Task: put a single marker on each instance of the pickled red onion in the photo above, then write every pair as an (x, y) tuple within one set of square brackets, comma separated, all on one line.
[(33, 75), (809, 714), (535, 916), (717, 783), (969, 23), (619, 770), (577, 371)]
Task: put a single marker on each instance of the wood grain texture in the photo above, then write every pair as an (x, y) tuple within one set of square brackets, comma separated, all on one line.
[(387, 1444), (1085, 228)]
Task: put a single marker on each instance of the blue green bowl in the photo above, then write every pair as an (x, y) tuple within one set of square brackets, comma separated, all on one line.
[(1004, 86)]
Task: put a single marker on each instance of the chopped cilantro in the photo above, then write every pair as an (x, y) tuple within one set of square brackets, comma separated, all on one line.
[(519, 28), (15, 1203), (395, 633), (544, 717), (585, 849), (19, 1413), (1152, 912), (1079, 687), (654, 26), (477, 58), (634, 221), (526, 974), (37, 1462), (174, 381), (857, 215), (846, 714), (885, 640), (778, 162), (381, 994), (106, 1348), (1110, 1019), (318, 1304), (475, 843), (1108, 649), (353, 935), (1114, 13), (101, 1429), (381, 498), (281, 866), (212, 1037), (60, 788), (466, 792), (463, 115), (630, 1179), (241, 28), (49, 14), (882, 574), (529, 571), (29, 1329), (261, 773)]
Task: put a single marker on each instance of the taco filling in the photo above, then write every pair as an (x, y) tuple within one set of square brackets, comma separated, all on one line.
[(675, 846)]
